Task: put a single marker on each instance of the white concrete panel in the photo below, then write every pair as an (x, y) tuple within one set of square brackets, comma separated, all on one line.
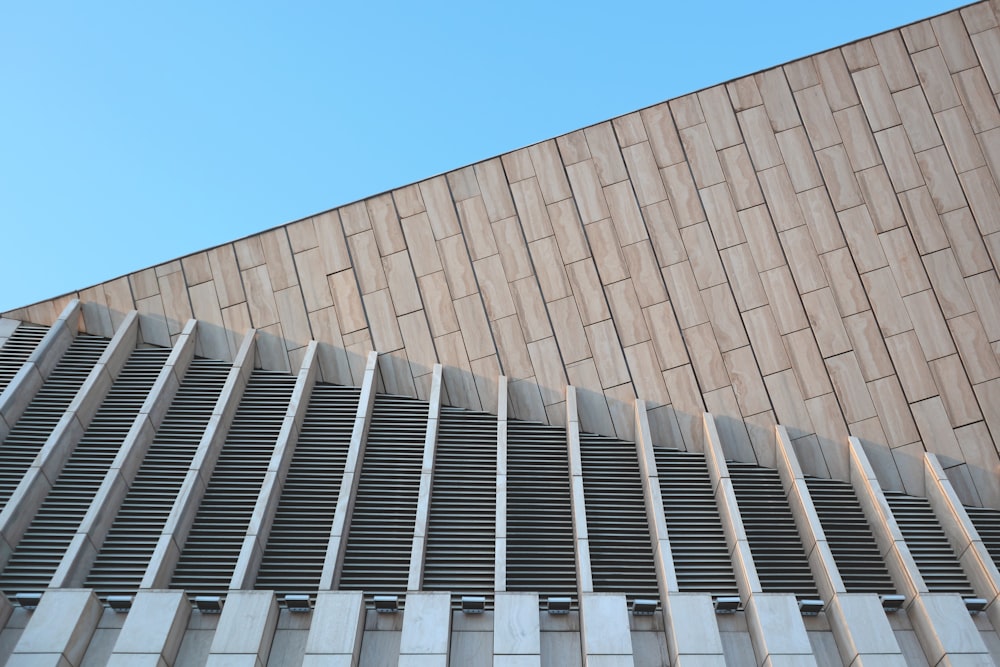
[(337, 623), (604, 625), (426, 624), (246, 625), (516, 624), (63, 625), (155, 624)]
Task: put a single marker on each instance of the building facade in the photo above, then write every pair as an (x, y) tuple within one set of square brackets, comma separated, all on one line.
[(714, 382)]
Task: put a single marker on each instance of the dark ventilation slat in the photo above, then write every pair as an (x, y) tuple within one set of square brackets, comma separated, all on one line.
[(213, 545), (300, 534), (125, 554), (781, 561), (37, 556), (987, 523), (850, 537), (540, 552), (17, 349), (377, 558), (928, 544), (697, 539), (29, 434), (621, 551), (461, 536)]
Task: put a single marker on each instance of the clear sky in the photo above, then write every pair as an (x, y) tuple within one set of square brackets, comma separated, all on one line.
[(132, 133)]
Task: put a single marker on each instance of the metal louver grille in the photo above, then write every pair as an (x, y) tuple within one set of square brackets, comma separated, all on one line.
[(928, 544), (123, 558), (43, 413), (777, 551), (540, 553), (377, 558), (17, 349), (35, 559), (300, 534), (987, 523), (697, 540), (621, 552), (850, 537), (213, 545), (461, 536)]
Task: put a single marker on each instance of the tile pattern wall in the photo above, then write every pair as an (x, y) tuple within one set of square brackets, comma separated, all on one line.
[(815, 245)]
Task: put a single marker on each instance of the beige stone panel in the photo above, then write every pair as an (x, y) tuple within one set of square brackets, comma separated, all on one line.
[(859, 230), (747, 383), (629, 129), (167, 268), (909, 460), (226, 274), (760, 428), (703, 254), (494, 287), (729, 422), (396, 374), (662, 135), (495, 190), (236, 320), (780, 197), (747, 288), (212, 340), (935, 431), (382, 321), (568, 230), (979, 17), (974, 348), (894, 60), (646, 376), (890, 311), (625, 213), (784, 299), (954, 41), (817, 117), (249, 252), (687, 110), (569, 330), (588, 191), (176, 303), (722, 216), (476, 227), (801, 74), (293, 318), (955, 390), (332, 243), (573, 147), (605, 152), (821, 309), (845, 281), (645, 273), (949, 286), (706, 357), (839, 177), (437, 303), (876, 98), (984, 289), (511, 347), (513, 251), (807, 363), (899, 159), (608, 355), (517, 165), (685, 295), (385, 223), (357, 344), (918, 36), (588, 291), (550, 373), (531, 209), (859, 142), (831, 433), (367, 262), (531, 309), (457, 267), (260, 296), (935, 79), (766, 340), (354, 218), (929, 325), (196, 269), (760, 139), (408, 200), (626, 312), (845, 373), (475, 327), (724, 317), (904, 261), (803, 260), (595, 415), (988, 394), (665, 335), (607, 253), (457, 376), (743, 93), (922, 217), (869, 348), (959, 139), (778, 99), (800, 159), (347, 300), (893, 411), (485, 373), (524, 401), (722, 125), (741, 177), (789, 406), (970, 251), (152, 322), (987, 45), (440, 207), (664, 233), (302, 235), (278, 254), (315, 287), (463, 183), (689, 406), (144, 284), (984, 200), (644, 173), (918, 122), (119, 300), (908, 359), (416, 335), (550, 172), (683, 194), (881, 457), (882, 205), (402, 283), (835, 79), (942, 181), (983, 462), (420, 241), (701, 154)]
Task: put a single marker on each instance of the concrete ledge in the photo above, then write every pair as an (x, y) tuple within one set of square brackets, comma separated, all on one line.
[(604, 629), (154, 628), (245, 630), (61, 627), (516, 627), (426, 633), (337, 626)]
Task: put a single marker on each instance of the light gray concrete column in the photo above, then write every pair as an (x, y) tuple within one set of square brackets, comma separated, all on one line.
[(59, 630), (943, 626), (185, 507), (335, 633), (334, 560), (245, 630), (86, 543), (417, 551), (517, 638), (426, 630), (259, 528), (964, 538), (605, 634), (858, 622), (37, 481), (581, 540), (153, 630), (500, 549), (692, 631), (32, 375), (776, 629)]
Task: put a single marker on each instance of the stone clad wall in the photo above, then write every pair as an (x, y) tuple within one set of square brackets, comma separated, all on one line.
[(814, 245)]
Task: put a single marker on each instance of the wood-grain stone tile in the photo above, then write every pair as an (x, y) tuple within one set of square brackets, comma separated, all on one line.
[(869, 347), (893, 411)]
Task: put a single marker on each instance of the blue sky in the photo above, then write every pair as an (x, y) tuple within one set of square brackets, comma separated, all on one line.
[(133, 133)]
